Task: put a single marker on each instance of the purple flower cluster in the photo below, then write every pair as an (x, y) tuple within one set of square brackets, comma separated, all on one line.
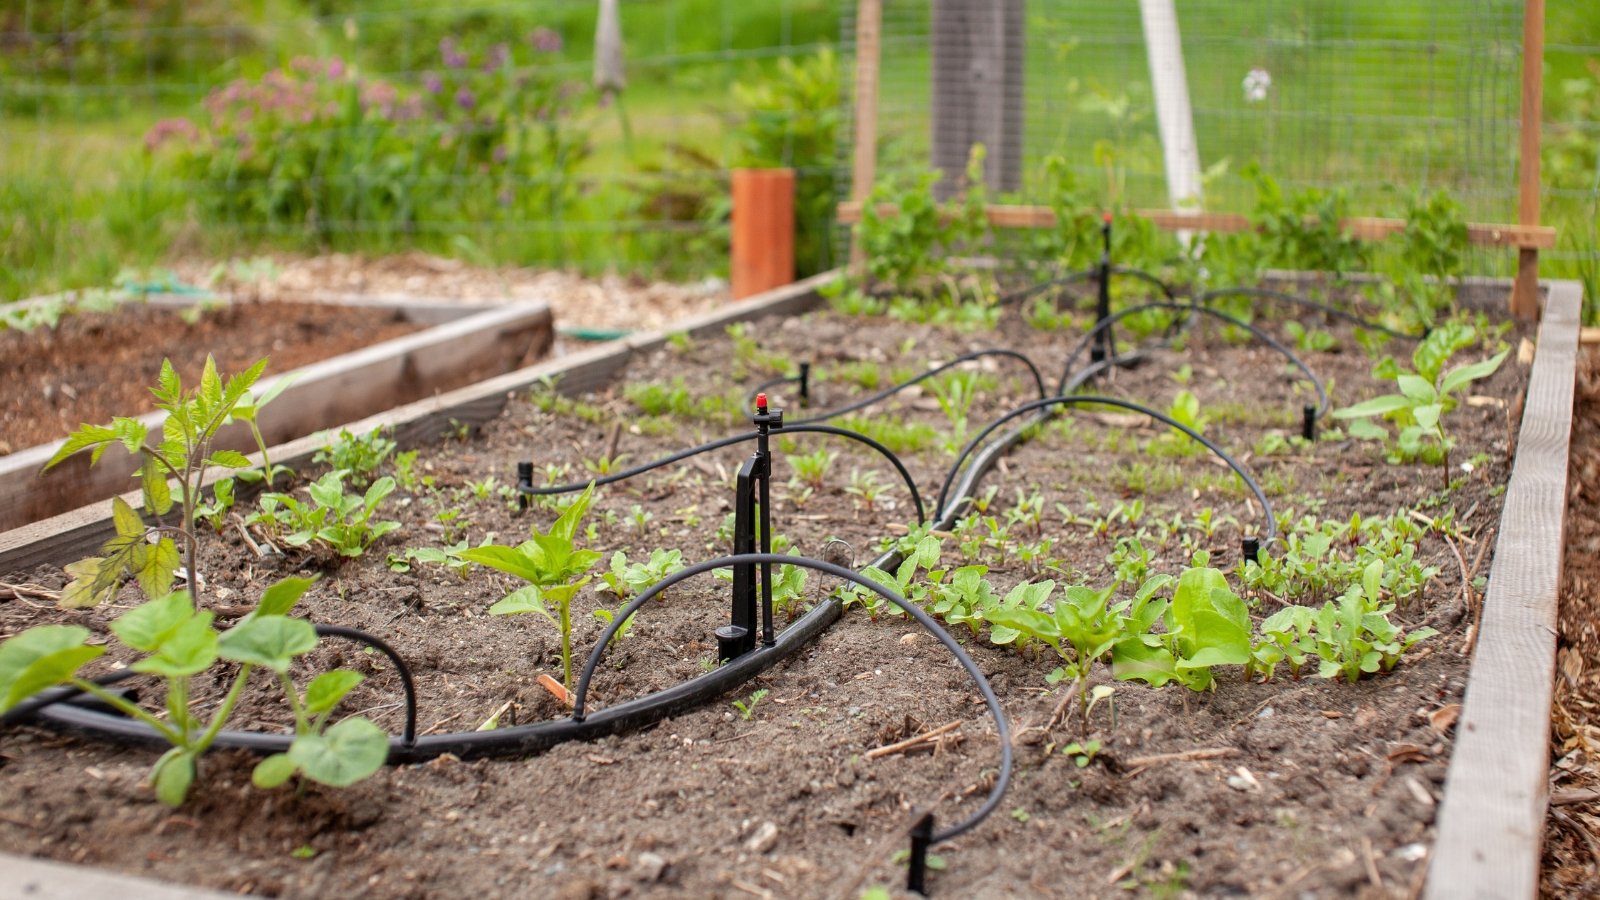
[(544, 40), (170, 129)]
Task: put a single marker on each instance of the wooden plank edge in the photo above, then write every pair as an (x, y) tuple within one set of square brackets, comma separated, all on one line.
[(43, 879), (1538, 237), (72, 535), (19, 470), (1491, 822)]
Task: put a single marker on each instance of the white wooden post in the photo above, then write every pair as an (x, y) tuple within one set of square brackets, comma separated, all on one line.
[(1174, 116)]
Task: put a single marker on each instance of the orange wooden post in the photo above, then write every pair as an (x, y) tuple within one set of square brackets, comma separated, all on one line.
[(763, 230), (1525, 290), (864, 170)]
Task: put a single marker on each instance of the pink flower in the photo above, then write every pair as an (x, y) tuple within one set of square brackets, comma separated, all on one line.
[(544, 40), (336, 68), (432, 83), (168, 129), (452, 57), (465, 98)]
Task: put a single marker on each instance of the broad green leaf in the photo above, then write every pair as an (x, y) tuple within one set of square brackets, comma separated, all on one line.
[(239, 385), (147, 625), (229, 459), (169, 387), (522, 600), (1428, 415), (92, 581), (327, 689), (126, 522), (1458, 378), (1133, 660), (272, 771), (378, 490), (172, 775), (40, 658), (566, 526), (130, 432), (281, 597), (156, 566), (87, 436), (1376, 406), (1367, 430), (510, 560), (348, 752), (189, 650), (271, 641), (1028, 621), (329, 489), (1416, 388), (153, 482)]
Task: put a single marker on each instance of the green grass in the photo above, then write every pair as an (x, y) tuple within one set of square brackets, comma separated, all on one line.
[(78, 203)]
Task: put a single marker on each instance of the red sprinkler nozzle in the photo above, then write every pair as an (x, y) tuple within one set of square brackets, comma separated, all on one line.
[(761, 403), (1106, 217)]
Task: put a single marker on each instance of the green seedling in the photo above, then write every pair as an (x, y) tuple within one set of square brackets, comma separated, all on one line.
[(182, 450), (554, 568), (177, 643), (332, 520), (1308, 340), (812, 468), (359, 455), (630, 579), (1425, 396), (865, 487), (747, 708)]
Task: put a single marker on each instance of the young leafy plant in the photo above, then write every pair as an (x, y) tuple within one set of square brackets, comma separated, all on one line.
[(359, 455), (628, 579), (178, 643), (182, 450), (333, 520), (1424, 396), (552, 564)]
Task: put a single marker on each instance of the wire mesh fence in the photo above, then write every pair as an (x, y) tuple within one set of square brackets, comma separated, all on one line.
[(1378, 98), (134, 129)]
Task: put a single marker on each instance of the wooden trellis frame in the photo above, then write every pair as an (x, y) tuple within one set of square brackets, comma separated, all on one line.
[(1528, 236)]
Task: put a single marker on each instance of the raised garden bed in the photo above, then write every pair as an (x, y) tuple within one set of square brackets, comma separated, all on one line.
[(1300, 784), (346, 360)]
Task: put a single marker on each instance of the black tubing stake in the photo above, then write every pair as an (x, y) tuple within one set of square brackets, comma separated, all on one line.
[(1251, 548), (752, 520), (1105, 347), (1308, 424), (805, 385), (524, 484), (921, 837)]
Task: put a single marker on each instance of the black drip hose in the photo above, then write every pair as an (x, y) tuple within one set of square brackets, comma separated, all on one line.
[(1085, 275), (1286, 297), (529, 490), (1271, 526), (1260, 335), (408, 733), (1038, 380), (1002, 726)]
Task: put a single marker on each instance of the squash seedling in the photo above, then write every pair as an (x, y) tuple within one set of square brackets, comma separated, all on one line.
[(179, 643), (552, 565)]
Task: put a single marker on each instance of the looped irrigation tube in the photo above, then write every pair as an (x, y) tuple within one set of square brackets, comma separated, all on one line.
[(528, 490), (1271, 528), (1085, 275), (1002, 727), (1286, 297), (408, 731), (1285, 352), (1038, 380)]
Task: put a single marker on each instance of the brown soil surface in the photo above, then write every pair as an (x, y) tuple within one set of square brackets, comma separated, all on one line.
[(1306, 788), (98, 365), (606, 302), (1571, 855)]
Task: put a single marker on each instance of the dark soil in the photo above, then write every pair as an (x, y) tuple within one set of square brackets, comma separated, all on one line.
[(1303, 787), (97, 365)]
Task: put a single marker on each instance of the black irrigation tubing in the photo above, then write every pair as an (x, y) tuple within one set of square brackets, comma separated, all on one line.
[(63, 694), (1002, 726), (1271, 529), (802, 376), (1085, 275), (1038, 380), (798, 428), (1260, 335), (408, 733), (1286, 297)]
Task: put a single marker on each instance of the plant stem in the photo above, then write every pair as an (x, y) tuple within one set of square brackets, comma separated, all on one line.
[(566, 643), (129, 709), (226, 709), (300, 723)]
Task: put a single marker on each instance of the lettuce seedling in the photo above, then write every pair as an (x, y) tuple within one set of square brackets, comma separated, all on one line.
[(628, 579), (1206, 625), (333, 520), (1354, 635), (1425, 395), (551, 563)]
